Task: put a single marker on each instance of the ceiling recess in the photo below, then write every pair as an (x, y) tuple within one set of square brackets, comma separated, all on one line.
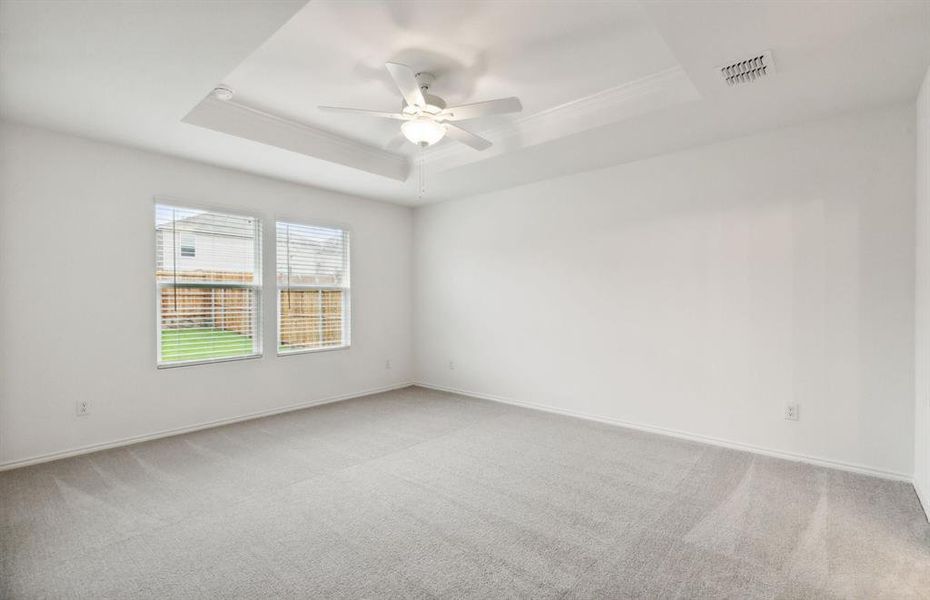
[(748, 70)]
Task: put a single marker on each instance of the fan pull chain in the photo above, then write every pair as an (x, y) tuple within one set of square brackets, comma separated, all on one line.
[(421, 182)]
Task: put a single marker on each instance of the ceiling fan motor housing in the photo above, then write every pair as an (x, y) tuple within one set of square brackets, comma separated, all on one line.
[(434, 104), (424, 80)]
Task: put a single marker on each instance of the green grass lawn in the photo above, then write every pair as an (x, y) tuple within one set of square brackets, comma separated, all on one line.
[(200, 344)]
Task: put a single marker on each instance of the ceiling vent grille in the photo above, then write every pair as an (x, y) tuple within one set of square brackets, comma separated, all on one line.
[(749, 69)]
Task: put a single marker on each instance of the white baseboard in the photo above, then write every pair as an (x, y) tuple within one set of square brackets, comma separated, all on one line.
[(25, 462), (694, 437)]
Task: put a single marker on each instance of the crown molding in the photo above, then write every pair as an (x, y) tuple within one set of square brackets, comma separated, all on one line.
[(240, 120), (652, 92)]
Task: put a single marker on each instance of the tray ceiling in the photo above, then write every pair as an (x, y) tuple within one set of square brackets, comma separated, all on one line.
[(601, 82), (572, 69)]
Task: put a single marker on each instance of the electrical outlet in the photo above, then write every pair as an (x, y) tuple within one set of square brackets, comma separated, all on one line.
[(451, 365), (387, 365), (792, 412), (83, 408)]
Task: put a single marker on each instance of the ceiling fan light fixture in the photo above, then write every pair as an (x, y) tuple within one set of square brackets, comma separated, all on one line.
[(426, 118), (423, 131)]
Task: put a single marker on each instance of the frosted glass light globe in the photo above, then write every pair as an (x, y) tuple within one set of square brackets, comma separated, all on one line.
[(423, 131)]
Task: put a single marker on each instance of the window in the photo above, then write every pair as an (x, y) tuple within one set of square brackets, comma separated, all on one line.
[(188, 248), (208, 300), (313, 288)]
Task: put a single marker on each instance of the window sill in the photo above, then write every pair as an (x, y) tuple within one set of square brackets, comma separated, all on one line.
[(312, 350), (207, 361)]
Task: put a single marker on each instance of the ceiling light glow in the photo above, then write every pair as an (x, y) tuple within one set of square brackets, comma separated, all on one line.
[(423, 131)]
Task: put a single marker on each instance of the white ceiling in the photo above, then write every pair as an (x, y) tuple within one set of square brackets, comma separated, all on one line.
[(601, 82)]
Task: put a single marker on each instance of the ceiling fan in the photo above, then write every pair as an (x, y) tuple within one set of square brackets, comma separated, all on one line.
[(426, 119)]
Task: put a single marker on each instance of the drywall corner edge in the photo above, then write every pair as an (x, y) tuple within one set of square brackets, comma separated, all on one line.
[(922, 499)]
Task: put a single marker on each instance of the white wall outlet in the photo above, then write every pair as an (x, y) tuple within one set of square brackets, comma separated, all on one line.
[(451, 365), (387, 365), (82, 408), (792, 412)]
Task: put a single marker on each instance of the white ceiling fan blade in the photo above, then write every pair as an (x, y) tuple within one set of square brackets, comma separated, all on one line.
[(482, 109), (367, 113), (466, 137), (406, 81)]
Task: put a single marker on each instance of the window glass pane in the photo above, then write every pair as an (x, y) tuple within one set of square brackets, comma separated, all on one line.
[(209, 292), (203, 323), (312, 255), (223, 247), (311, 319), (313, 284)]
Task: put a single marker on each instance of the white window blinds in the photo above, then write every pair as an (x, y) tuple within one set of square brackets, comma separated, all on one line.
[(313, 287), (208, 276)]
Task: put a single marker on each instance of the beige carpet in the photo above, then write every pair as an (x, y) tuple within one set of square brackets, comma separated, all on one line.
[(421, 494)]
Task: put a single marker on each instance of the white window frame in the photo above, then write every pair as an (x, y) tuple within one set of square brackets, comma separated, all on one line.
[(346, 289), (257, 287)]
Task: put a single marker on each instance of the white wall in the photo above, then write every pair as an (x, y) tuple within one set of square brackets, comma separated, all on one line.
[(922, 357), (696, 292), (77, 311)]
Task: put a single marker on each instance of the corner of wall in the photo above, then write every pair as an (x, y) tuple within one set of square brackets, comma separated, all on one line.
[(922, 301), (922, 499)]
